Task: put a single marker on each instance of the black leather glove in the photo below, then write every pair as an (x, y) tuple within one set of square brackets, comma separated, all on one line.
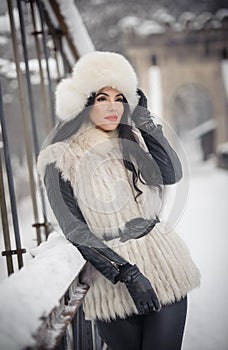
[(140, 289), (141, 115)]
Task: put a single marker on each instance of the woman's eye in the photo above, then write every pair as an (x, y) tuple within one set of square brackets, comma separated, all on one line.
[(104, 98), (100, 99)]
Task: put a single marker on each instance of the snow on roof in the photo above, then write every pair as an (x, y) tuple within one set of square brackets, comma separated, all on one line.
[(3, 40), (149, 27), (128, 22), (203, 128), (221, 14), (204, 17), (163, 16), (5, 22), (8, 69), (34, 291), (186, 16), (141, 26)]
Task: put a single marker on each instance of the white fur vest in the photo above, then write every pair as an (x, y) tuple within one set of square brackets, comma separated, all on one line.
[(92, 161)]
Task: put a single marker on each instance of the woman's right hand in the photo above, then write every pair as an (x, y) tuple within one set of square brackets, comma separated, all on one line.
[(140, 289)]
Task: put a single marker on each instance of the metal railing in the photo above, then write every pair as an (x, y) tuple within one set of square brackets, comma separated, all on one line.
[(36, 27), (8, 251), (34, 10)]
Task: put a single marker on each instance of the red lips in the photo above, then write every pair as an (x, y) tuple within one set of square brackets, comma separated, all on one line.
[(112, 118)]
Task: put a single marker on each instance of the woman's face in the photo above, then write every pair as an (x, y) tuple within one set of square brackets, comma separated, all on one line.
[(108, 108)]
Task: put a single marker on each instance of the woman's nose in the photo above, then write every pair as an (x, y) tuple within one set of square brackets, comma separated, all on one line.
[(112, 105)]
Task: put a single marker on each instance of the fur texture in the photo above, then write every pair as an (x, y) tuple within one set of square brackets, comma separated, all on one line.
[(102, 186), (92, 72)]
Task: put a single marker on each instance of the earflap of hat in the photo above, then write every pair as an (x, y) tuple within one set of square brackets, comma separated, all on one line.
[(69, 101), (91, 73)]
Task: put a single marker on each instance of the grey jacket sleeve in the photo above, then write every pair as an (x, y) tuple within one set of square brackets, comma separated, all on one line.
[(164, 155), (73, 225)]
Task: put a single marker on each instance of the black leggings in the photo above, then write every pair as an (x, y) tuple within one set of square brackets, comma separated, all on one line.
[(156, 331)]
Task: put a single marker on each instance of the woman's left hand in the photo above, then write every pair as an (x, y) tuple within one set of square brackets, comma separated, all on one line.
[(141, 115)]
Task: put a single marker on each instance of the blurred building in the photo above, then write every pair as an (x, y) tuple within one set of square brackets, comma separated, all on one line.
[(182, 66)]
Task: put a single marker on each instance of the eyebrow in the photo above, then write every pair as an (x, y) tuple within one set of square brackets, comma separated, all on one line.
[(104, 93)]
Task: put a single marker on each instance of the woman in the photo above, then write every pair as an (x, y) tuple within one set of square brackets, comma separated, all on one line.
[(104, 174)]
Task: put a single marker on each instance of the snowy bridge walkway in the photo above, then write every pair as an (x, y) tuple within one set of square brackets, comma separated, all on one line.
[(204, 227)]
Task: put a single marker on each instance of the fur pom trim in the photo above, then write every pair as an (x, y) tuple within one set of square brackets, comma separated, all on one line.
[(92, 72), (51, 154)]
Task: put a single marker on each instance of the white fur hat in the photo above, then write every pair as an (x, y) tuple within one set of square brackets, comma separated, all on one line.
[(92, 72)]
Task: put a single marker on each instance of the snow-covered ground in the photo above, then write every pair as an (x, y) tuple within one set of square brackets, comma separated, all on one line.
[(204, 229)]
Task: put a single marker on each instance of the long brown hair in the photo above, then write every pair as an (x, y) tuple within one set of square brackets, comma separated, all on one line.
[(135, 159)]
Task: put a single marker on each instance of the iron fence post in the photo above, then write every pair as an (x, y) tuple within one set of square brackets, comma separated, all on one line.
[(30, 158), (10, 183)]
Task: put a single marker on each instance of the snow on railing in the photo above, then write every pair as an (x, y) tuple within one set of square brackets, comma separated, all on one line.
[(74, 23), (35, 310)]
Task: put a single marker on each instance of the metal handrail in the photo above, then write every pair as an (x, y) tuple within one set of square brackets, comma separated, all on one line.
[(27, 136), (65, 325), (56, 324), (32, 113), (38, 54), (44, 41)]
